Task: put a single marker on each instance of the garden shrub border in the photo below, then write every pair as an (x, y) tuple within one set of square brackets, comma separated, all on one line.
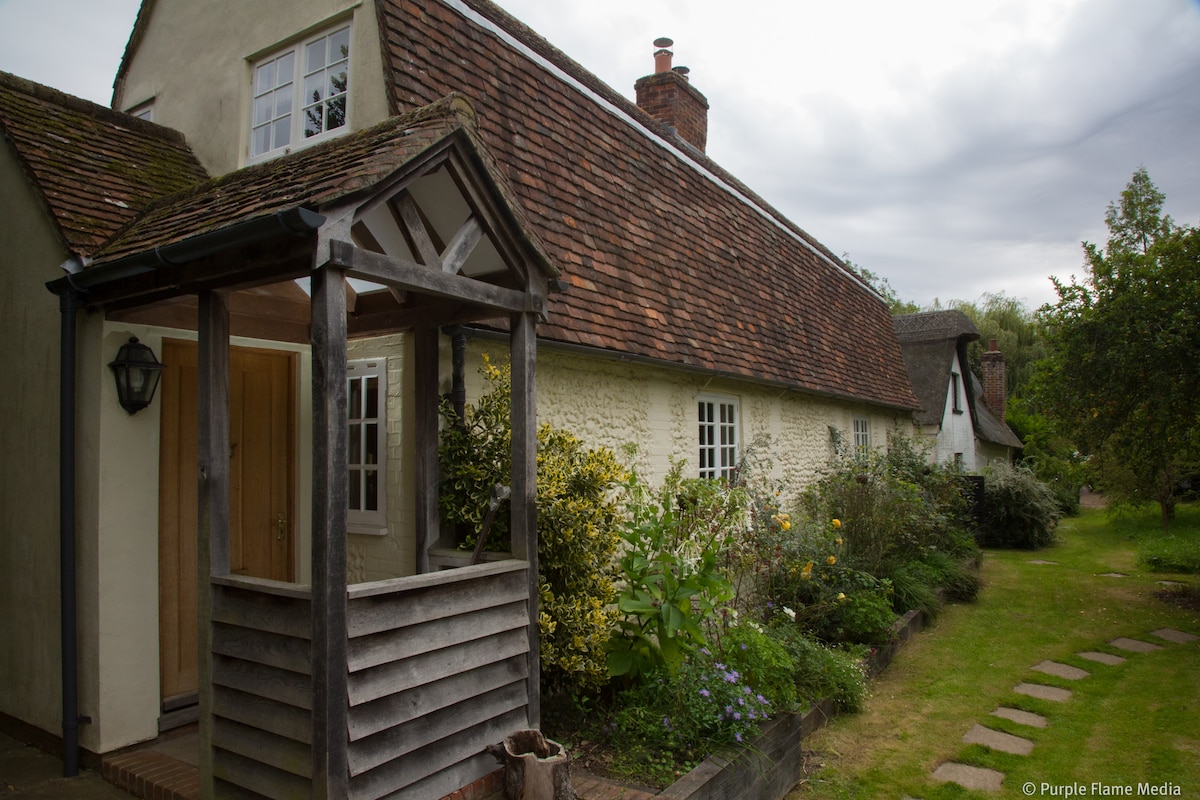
[(769, 767)]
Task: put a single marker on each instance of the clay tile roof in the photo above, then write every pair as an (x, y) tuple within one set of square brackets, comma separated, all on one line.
[(666, 257), (312, 177), (94, 168)]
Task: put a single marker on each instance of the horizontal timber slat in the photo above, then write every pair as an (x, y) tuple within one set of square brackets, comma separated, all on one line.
[(275, 684), (456, 755), (263, 647), (378, 613), (397, 709), (257, 777), (262, 713), (262, 611), (414, 640), (374, 751), (263, 747), (399, 676)]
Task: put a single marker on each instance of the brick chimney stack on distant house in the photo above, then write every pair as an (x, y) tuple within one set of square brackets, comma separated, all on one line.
[(669, 97), (994, 379)]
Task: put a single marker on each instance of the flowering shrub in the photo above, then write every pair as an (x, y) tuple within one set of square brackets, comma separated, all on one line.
[(672, 584), (577, 527)]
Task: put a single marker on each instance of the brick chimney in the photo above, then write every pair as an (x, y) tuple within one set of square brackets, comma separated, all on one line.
[(994, 379), (669, 97)]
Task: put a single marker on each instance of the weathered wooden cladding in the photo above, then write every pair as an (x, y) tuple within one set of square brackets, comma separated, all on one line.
[(438, 670)]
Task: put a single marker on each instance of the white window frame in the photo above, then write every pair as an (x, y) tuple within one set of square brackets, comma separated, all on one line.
[(862, 436), (279, 102), (718, 423), (362, 446)]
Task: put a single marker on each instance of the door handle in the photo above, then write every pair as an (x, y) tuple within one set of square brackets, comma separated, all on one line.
[(280, 527)]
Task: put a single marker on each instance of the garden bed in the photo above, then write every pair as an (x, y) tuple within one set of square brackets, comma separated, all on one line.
[(770, 766)]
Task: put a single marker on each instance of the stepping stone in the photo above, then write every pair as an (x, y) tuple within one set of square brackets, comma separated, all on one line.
[(1170, 583), (1102, 658), (996, 740), (1040, 561), (968, 777), (1113, 575), (1134, 645), (1020, 717), (1061, 670), (1043, 692), (1172, 635)]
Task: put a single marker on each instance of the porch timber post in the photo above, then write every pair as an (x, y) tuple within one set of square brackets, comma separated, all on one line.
[(213, 497), (330, 742), (523, 357), (425, 404)]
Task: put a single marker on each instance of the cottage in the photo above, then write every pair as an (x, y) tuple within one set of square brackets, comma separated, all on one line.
[(961, 418), (349, 179)]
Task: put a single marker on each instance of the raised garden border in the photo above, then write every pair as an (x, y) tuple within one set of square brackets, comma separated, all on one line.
[(763, 769)]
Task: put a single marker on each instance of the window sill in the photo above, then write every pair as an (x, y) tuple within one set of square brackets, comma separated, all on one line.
[(367, 530)]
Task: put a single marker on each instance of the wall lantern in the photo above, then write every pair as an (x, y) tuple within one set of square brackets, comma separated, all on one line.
[(137, 372)]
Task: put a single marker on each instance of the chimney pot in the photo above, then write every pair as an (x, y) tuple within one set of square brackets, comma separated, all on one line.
[(662, 59), (681, 72)]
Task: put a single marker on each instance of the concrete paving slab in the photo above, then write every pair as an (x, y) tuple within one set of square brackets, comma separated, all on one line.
[(1043, 692), (1174, 636), (997, 740), (1102, 658), (1061, 670), (1134, 645), (968, 777), (1020, 717)]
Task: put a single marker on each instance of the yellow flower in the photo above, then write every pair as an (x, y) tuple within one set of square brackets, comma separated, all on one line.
[(837, 523), (831, 560), (787, 526), (841, 595), (806, 573), (838, 541)]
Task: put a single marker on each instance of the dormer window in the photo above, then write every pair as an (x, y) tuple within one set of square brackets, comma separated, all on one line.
[(300, 94)]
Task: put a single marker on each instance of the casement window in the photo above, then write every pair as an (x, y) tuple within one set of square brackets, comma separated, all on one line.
[(862, 437), (300, 94), (956, 391), (366, 446), (718, 424)]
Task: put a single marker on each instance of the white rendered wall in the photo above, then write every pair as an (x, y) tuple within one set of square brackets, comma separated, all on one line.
[(957, 434)]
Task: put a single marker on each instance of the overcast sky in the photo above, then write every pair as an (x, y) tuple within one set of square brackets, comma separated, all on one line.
[(954, 148)]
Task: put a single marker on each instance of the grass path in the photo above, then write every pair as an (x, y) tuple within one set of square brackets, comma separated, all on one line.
[(1126, 724)]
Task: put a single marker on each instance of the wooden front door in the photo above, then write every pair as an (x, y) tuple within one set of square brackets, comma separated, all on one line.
[(261, 457)]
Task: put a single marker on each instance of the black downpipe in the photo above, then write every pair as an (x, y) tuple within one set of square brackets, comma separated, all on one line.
[(69, 304)]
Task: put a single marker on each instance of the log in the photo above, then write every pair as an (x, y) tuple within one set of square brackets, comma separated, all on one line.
[(535, 768)]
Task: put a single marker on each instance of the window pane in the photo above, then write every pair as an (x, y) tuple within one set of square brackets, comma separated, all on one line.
[(354, 445), (263, 108), (283, 132), (372, 398), (315, 56), (264, 78), (313, 124), (337, 113), (283, 101), (314, 88), (339, 45), (285, 69), (371, 442), (354, 399), (262, 140), (371, 490), (354, 490)]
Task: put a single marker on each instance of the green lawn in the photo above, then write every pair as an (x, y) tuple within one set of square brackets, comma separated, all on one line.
[(1138, 722)]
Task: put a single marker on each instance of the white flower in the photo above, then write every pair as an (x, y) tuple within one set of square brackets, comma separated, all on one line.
[(791, 614)]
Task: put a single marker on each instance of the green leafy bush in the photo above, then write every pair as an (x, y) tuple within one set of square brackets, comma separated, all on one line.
[(577, 527), (1177, 552), (819, 671), (675, 539), (1019, 511)]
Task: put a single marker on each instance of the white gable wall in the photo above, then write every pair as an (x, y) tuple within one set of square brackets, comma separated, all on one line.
[(958, 433)]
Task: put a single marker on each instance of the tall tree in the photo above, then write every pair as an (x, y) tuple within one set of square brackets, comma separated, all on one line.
[(1122, 375), (1018, 335)]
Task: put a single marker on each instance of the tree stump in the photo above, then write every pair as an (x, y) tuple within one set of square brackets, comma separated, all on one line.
[(535, 768)]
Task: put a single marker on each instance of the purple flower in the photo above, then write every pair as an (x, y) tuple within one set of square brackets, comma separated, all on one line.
[(704, 693), (667, 723), (764, 700), (728, 709), (737, 736), (743, 645), (720, 666), (737, 715), (741, 702)]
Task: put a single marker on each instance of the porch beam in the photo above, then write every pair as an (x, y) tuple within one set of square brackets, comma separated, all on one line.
[(411, 276), (425, 400), (329, 649), (462, 244), (414, 225), (523, 357), (213, 497)]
